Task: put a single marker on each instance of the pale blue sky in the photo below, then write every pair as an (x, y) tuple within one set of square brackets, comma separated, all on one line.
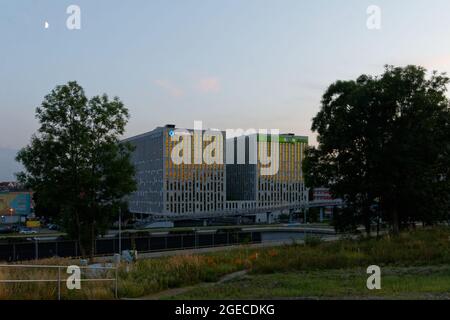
[(230, 63)]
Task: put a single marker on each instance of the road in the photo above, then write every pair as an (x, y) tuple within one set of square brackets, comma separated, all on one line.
[(316, 228)]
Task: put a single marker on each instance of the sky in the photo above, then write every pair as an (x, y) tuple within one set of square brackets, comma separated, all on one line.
[(229, 63)]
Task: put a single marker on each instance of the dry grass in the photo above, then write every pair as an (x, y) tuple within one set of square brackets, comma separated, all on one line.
[(49, 290), (154, 275)]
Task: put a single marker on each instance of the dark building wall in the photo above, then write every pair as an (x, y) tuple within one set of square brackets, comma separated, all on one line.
[(241, 178), (148, 159), (241, 183)]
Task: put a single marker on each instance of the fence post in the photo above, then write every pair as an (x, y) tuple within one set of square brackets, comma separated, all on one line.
[(117, 281), (195, 239), (36, 249), (59, 283)]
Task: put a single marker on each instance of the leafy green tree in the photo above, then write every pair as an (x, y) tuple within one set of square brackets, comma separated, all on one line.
[(76, 163), (384, 146)]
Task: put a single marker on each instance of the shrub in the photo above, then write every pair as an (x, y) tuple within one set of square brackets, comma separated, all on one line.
[(312, 241)]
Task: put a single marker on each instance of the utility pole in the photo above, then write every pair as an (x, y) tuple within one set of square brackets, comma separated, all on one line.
[(120, 230)]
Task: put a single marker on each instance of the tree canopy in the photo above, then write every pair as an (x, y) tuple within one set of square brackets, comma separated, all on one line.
[(384, 146), (75, 162)]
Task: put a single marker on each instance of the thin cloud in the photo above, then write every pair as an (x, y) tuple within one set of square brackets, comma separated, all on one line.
[(169, 87), (439, 63), (208, 85)]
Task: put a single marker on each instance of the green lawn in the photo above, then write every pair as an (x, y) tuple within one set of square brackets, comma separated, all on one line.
[(396, 283)]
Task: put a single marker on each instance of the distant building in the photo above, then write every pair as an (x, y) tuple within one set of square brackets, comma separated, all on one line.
[(7, 186), (18, 204), (195, 188), (323, 194), (267, 195), (166, 188)]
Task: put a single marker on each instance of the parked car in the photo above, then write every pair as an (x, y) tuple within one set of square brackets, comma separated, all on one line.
[(6, 230), (27, 231), (52, 226)]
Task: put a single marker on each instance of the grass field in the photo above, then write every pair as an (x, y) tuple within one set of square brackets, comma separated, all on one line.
[(397, 283), (414, 264)]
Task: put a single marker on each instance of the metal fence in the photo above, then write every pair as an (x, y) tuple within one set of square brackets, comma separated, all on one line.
[(29, 250), (58, 279)]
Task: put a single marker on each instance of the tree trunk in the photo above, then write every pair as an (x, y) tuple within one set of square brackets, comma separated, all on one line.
[(92, 240), (395, 222), (378, 226), (80, 242), (367, 224), (82, 248), (367, 227)]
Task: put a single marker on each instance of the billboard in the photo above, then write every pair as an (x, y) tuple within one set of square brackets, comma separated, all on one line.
[(15, 203)]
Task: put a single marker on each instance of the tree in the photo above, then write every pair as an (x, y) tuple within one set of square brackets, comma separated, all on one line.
[(384, 146), (76, 163)]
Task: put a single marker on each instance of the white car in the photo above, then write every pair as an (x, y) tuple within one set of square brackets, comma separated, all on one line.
[(27, 231)]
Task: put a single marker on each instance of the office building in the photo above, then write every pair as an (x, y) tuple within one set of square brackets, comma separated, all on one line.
[(250, 175), (167, 188), (279, 189)]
